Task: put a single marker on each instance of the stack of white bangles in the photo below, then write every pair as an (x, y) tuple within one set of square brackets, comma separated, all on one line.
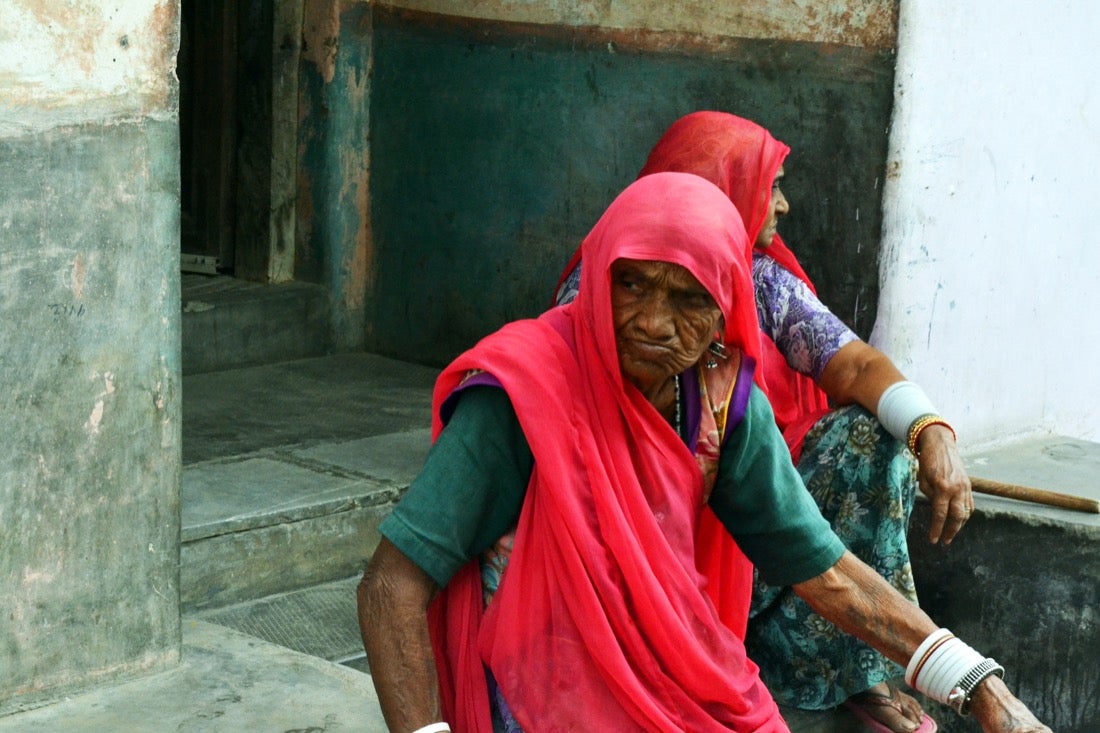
[(948, 670), (434, 728), (905, 411)]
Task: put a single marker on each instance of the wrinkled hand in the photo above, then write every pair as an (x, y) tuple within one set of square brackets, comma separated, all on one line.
[(942, 477), (998, 711)]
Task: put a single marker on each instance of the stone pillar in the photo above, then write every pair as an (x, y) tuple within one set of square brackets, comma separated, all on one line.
[(89, 353)]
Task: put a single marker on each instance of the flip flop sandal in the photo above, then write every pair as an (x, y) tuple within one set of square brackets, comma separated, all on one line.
[(859, 703)]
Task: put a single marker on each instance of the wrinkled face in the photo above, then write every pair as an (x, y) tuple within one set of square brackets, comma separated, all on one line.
[(777, 207), (664, 320)]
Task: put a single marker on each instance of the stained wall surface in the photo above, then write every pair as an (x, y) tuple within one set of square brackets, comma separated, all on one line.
[(991, 252), (500, 131), (89, 366)]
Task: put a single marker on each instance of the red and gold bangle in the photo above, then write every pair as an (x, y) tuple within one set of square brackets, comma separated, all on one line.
[(918, 426)]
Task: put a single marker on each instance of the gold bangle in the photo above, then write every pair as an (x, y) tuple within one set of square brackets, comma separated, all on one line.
[(918, 426)]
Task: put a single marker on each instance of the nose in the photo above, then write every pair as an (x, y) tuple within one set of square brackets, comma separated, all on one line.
[(656, 319), (781, 205)]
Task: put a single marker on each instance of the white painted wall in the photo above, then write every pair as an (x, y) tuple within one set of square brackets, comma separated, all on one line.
[(991, 236)]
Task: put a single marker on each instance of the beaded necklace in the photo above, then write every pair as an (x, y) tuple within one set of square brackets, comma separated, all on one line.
[(678, 416)]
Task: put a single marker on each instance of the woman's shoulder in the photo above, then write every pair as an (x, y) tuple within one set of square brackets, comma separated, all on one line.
[(766, 270)]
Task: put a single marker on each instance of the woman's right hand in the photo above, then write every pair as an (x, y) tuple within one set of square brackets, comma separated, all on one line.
[(943, 479)]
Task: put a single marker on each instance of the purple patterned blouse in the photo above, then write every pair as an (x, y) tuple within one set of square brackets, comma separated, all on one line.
[(806, 332)]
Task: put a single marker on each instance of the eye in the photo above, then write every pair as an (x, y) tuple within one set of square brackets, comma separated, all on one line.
[(696, 301), (628, 281)]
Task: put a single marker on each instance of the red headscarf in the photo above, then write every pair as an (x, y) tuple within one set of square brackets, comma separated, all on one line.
[(600, 622), (742, 158)]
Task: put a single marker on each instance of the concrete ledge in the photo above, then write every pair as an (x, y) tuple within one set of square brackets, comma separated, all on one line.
[(246, 565), (225, 497), (1021, 583), (227, 682)]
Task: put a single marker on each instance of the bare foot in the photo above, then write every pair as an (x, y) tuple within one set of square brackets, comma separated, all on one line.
[(889, 707)]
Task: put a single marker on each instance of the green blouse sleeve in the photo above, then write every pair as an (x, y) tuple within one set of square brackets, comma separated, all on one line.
[(761, 500), (470, 490)]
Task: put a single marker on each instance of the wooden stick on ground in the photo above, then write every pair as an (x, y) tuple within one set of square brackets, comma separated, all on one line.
[(1036, 496)]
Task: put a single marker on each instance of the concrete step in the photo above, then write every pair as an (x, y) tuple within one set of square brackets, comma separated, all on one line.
[(288, 468), (228, 323), (1021, 583), (320, 621)]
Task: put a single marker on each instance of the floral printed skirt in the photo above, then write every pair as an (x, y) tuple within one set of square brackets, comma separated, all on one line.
[(864, 481)]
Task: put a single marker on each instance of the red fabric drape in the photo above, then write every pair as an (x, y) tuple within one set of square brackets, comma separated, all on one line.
[(600, 622)]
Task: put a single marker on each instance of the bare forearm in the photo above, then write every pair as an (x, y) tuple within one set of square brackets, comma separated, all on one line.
[(859, 373), (858, 601), (393, 599)]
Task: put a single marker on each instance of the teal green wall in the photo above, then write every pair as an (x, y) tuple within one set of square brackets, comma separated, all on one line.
[(494, 150), (493, 153), (333, 187)]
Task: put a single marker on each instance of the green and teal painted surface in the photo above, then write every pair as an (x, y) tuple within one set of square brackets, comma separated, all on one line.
[(89, 475), (333, 240), (90, 349), (495, 147)]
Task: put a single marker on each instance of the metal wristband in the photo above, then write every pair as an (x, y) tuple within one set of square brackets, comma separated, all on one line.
[(960, 695)]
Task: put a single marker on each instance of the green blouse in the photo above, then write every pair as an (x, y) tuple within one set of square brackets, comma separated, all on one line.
[(471, 488)]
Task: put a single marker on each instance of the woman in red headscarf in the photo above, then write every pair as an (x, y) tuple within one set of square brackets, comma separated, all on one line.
[(589, 493), (558, 508), (854, 460)]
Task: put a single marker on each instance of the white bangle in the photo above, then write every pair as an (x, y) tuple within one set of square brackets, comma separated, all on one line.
[(434, 728), (948, 670), (920, 656), (901, 404)]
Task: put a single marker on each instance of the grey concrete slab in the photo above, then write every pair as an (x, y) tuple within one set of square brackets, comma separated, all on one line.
[(228, 323), (1021, 582), (395, 457), (321, 620), (240, 566), (302, 403), (227, 682)]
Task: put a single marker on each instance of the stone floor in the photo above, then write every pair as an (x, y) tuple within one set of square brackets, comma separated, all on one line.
[(227, 682)]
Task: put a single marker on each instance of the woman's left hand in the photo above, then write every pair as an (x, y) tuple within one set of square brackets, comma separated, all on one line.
[(944, 481), (998, 711)]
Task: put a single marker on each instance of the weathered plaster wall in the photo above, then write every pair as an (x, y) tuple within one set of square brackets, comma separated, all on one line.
[(333, 235), (860, 23), (66, 63), (89, 368), (991, 266), (495, 144)]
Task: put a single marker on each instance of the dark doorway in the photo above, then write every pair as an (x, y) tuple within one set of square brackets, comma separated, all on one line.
[(207, 69), (238, 136)]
